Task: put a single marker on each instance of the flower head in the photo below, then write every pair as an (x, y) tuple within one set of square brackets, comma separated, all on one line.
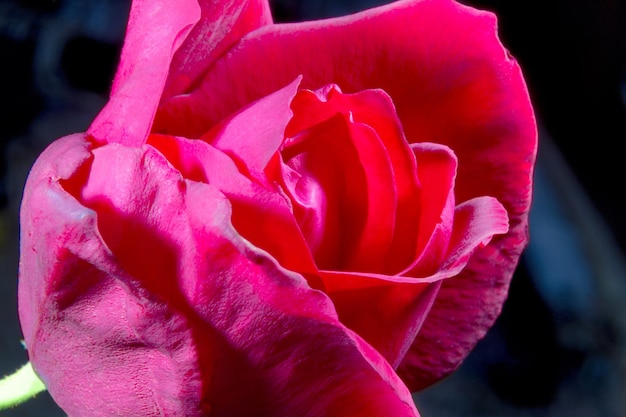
[(303, 219)]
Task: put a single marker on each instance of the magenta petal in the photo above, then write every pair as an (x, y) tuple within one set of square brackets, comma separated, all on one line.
[(389, 311), (264, 217), (221, 25), (420, 52), (386, 311), (67, 155), (470, 297), (150, 303), (252, 136), (476, 222), (155, 30), (371, 251), (373, 108), (436, 171), (290, 355), (103, 345)]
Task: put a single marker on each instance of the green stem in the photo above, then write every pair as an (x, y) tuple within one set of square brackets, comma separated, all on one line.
[(19, 387)]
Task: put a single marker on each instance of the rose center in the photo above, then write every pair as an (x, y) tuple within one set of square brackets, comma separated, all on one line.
[(327, 185)]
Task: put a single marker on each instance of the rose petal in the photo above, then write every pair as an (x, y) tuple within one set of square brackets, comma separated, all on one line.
[(143, 67), (389, 311), (357, 218), (66, 157), (103, 345), (452, 83), (476, 222), (176, 314), (190, 37), (279, 330), (221, 25), (436, 171), (371, 251), (386, 311), (253, 135), (262, 216), (328, 188), (375, 109)]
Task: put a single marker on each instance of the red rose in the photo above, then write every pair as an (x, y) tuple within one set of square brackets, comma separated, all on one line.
[(279, 220)]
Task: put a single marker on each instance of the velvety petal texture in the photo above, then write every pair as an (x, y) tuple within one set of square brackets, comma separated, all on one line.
[(229, 333), (308, 219)]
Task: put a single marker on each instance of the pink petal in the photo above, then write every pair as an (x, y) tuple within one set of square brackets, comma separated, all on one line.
[(389, 311), (261, 215), (375, 109), (328, 187), (476, 222), (221, 25), (452, 83), (287, 341), (165, 51), (67, 155), (439, 347), (386, 311), (102, 344), (349, 162), (371, 251), (159, 307), (253, 135), (436, 171), (155, 30)]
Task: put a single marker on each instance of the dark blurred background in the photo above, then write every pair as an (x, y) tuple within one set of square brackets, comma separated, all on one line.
[(559, 347)]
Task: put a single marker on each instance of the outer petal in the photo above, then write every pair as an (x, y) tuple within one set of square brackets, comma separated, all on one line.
[(222, 24), (174, 42), (151, 304), (451, 81), (143, 68), (389, 311), (103, 345)]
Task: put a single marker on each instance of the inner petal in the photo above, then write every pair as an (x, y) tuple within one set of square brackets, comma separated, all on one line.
[(374, 121), (316, 183), (341, 183)]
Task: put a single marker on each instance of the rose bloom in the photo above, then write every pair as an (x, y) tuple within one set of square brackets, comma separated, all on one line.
[(309, 219)]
